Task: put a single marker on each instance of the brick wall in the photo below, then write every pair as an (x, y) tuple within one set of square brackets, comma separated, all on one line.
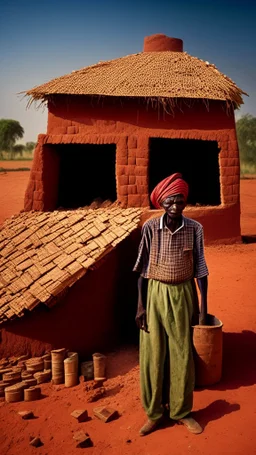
[(130, 125)]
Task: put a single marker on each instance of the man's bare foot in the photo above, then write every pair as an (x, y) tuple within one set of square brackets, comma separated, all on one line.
[(150, 426), (191, 424)]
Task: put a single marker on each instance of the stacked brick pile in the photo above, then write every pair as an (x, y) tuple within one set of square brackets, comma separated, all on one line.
[(41, 254)]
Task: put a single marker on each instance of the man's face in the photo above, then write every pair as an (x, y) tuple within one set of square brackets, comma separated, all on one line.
[(174, 205)]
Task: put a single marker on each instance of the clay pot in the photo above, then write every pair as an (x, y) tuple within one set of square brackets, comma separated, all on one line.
[(35, 364), (30, 382), (71, 369), (14, 393), (43, 376), (99, 366), (31, 394), (58, 356), (26, 375), (12, 376), (3, 371), (47, 357), (47, 364), (208, 341)]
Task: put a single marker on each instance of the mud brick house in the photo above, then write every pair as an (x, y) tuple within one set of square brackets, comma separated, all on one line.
[(115, 129)]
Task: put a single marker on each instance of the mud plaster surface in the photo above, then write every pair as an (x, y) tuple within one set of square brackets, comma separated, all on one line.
[(227, 410)]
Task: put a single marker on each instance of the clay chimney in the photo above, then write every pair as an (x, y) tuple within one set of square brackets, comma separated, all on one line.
[(160, 42)]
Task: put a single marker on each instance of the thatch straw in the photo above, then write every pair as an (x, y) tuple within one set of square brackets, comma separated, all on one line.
[(158, 75)]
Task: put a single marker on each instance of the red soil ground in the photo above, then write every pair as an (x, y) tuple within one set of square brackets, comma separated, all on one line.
[(226, 411)]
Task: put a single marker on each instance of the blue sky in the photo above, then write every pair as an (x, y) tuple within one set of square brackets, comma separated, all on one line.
[(40, 40)]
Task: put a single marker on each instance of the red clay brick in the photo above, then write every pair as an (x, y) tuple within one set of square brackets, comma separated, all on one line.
[(132, 160), (141, 161), (72, 129), (236, 189), (39, 185), (123, 179), (145, 201), (142, 189), (132, 179), (232, 180), (121, 160), (134, 200), (132, 189), (122, 152), (123, 190), (38, 195), (81, 415), (37, 205), (120, 169), (31, 186), (132, 142), (230, 199), (230, 170), (224, 153), (141, 170), (223, 145), (130, 170), (142, 153), (141, 179), (132, 152), (25, 415), (123, 201), (60, 130), (105, 414), (227, 191), (233, 145)]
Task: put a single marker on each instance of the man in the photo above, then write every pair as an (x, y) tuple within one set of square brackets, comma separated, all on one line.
[(171, 255)]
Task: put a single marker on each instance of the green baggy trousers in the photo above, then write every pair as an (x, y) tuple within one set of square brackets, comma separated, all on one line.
[(170, 309)]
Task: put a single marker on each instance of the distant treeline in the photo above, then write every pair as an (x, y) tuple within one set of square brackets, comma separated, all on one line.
[(10, 132)]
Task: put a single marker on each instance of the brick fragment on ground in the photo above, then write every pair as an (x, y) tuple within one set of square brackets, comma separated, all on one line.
[(36, 442), (80, 414), (94, 396), (105, 414), (83, 439), (98, 384), (26, 414)]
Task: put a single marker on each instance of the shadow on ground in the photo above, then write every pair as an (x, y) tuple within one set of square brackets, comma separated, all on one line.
[(214, 411), (249, 238)]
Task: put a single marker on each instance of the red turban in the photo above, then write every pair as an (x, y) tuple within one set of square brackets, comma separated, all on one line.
[(174, 184)]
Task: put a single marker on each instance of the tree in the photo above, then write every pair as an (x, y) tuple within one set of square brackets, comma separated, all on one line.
[(29, 146), (18, 148), (246, 135), (10, 131)]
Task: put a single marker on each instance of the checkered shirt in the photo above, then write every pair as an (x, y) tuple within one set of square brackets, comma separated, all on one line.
[(171, 257)]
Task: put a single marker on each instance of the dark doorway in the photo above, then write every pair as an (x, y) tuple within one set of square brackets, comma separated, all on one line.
[(198, 162), (87, 173)]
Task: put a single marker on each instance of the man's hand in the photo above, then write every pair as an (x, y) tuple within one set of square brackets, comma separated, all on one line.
[(141, 317), (141, 320), (203, 285)]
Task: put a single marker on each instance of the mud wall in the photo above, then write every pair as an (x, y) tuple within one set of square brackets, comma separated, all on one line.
[(97, 312), (130, 125)]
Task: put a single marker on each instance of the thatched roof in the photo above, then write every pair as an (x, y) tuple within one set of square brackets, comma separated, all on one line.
[(44, 253), (156, 75)]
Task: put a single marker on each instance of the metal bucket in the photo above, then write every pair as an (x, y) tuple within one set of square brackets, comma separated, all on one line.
[(208, 344)]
